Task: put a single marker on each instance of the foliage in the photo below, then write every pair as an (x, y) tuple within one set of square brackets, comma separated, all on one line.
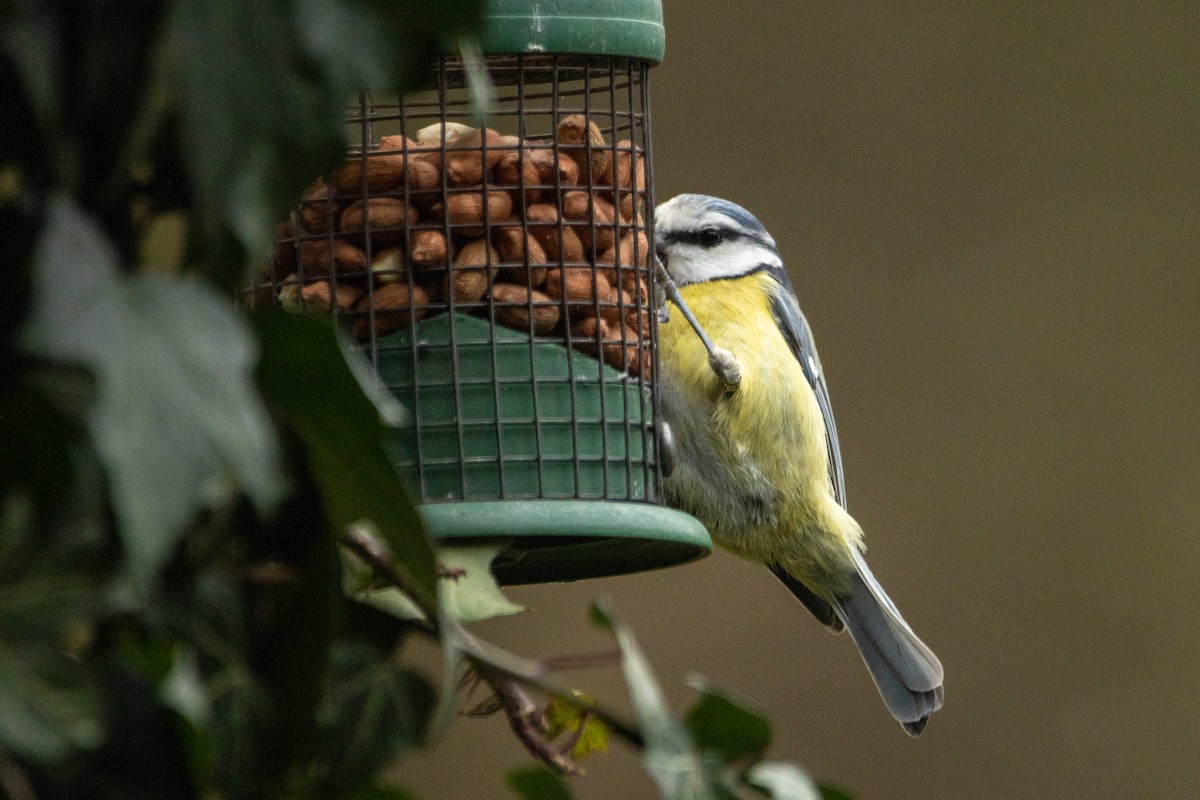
[(209, 569)]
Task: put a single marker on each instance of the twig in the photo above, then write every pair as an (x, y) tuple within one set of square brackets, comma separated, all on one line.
[(505, 673), (378, 556)]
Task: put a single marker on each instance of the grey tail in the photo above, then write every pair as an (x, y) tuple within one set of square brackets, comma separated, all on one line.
[(906, 672), (820, 608)]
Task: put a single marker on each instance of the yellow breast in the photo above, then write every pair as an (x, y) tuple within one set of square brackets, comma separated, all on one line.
[(753, 463)]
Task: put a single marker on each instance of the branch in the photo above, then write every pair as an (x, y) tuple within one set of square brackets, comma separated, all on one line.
[(506, 673)]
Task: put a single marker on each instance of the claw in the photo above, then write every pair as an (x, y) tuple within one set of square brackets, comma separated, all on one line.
[(726, 365)]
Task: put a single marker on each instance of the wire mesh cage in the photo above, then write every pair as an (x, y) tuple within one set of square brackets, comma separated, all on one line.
[(496, 271)]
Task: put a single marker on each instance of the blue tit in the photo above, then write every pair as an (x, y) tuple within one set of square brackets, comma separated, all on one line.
[(757, 458)]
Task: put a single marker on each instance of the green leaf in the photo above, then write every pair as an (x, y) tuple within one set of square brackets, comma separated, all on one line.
[(244, 723), (469, 592), (49, 705), (782, 781), (561, 716), (177, 423), (467, 589), (264, 88), (375, 710), (295, 617), (720, 723), (537, 783), (669, 755), (307, 380), (50, 589)]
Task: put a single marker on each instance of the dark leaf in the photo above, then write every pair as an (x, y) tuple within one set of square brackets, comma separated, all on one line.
[(177, 422), (718, 722), (264, 92), (375, 710), (537, 783), (306, 379), (51, 570), (296, 595)]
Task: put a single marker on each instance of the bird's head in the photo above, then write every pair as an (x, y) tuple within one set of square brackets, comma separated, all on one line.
[(702, 238)]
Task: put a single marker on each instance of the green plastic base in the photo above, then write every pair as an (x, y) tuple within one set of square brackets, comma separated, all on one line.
[(499, 416), (567, 540), (535, 445)]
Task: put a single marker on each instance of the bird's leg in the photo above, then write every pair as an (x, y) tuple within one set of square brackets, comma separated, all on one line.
[(721, 361)]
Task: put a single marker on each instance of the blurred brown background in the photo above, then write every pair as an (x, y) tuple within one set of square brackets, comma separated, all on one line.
[(990, 213)]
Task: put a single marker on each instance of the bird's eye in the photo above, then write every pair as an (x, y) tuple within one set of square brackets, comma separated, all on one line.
[(710, 237)]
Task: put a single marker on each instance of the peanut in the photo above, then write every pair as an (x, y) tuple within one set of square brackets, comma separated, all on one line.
[(580, 140), (467, 281), (320, 257), (384, 172), (631, 166), (512, 171), (387, 265), (394, 305), (433, 135), (618, 344), (515, 246), (633, 250), (318, 210), (581, 287), (427, 250), (323, 296), (386, 219), (467, 210), (521, 307), (554, 168), (543, 225), (597, 235), (471, 154)]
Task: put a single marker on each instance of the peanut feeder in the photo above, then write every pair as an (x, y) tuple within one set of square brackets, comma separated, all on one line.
[(497, 272)]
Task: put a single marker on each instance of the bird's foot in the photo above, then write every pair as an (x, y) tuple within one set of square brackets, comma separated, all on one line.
[(726, 366)]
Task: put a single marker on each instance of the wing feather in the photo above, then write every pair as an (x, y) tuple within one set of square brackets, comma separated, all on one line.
[(798, 334)]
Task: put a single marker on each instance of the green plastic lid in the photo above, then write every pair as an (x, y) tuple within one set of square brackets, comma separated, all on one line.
[(627, 28)]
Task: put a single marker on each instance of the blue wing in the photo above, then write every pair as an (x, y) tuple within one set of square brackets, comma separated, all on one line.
[(786, 310), (800, 339)]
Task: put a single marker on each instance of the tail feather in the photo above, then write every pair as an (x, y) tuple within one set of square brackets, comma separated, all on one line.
[(906, 672), (817, 605)]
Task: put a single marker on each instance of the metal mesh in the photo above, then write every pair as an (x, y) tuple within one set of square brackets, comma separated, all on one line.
[(498, 281)]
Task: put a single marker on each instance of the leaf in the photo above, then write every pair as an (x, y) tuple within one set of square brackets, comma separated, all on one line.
[(563, 717), (176, 422), (375, 710), (469, 591), (266, 116), (49, 706), (50, 587), (782, 781), (306, 379), (537, 783), (718, 722), (669, 755)]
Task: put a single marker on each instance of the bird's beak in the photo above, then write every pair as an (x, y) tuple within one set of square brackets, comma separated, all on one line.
[(660, 250)]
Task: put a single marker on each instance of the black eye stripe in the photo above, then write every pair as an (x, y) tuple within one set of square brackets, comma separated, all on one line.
[(703, 237)]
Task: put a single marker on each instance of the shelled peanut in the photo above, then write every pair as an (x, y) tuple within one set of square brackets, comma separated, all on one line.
[(545, 237)]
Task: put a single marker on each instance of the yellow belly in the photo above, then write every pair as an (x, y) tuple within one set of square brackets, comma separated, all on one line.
[(753, 464)]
